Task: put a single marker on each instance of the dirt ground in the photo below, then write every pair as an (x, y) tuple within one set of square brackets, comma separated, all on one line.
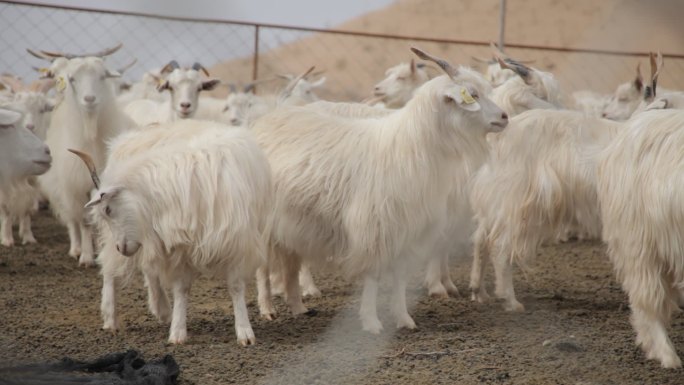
[(575, 329)]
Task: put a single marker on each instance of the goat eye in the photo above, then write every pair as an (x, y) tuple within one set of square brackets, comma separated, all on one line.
[(402, 78), (108, 210)]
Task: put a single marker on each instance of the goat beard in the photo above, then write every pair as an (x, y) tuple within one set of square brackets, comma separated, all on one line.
[(90, 119)]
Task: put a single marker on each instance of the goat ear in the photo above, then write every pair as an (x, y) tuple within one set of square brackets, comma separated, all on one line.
[(112, 74), (95, 201), (210, 84), (660, 104), (319, 82), (103, 196), (249, 88), (50, 105), (639, 80), (164, 85), (463, 99), (9, 117), (522, 70)]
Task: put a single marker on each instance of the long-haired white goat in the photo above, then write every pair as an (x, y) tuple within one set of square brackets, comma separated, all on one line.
[(207, 217), (639, 186), (86, 118), (540, 178), (370, 194)]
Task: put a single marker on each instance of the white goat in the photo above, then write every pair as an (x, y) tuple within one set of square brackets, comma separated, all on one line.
[(209, 217), (370, 194), (18, 199), (540, 179), (459, 227), (531, 89), (497, 75), (626, 98), (32, 101), (589, 102), (243, 107), (86, 118), (184, 84), (22, 154), (400, 81), (145, 88), (655, 99), (639, 187)]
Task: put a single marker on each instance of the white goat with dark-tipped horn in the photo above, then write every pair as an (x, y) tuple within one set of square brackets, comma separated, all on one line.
[(370, 195)]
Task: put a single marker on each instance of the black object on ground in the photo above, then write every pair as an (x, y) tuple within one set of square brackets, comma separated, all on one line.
[(126, 368)]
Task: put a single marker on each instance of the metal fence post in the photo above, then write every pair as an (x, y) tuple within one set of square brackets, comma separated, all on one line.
[(255, 62), (502, 23)]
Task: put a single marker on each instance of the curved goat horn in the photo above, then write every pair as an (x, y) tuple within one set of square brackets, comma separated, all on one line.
[(498, 53), (481, 60), (101, 54), (296, 80), (656, 66), (39, 55), (88, 160), (127, 66), (443, 64), (198, 67), (168, 68)]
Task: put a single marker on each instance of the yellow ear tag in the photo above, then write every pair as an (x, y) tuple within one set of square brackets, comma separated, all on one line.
[(43, 70), (61, 84), (467, 98)]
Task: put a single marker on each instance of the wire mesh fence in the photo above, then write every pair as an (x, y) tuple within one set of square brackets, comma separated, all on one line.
[(239, 52)]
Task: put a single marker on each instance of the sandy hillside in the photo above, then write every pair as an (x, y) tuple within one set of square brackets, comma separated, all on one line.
[(354, 64)]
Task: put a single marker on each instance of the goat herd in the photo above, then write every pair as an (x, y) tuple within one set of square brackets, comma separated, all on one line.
[(176, 185)]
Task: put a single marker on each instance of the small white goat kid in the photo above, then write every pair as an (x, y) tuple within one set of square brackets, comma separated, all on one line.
[(180, 200), (370, 194)]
